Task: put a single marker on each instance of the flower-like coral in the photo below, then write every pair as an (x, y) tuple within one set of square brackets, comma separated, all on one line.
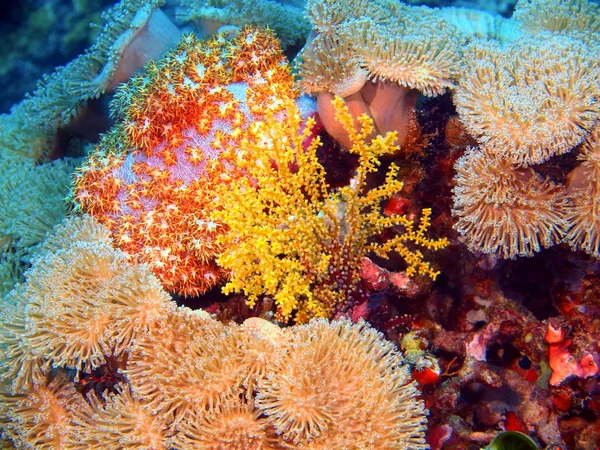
[(148, 180), (411, 46), (583, 191), (44, 416), (117, 420), (235, 425), (341, 385), (293, 239), (359, 46), (31, 199), (530, 100), (196, 342), (578, 18), (506, 210), (83, 304), (184, 380), (286, 19)]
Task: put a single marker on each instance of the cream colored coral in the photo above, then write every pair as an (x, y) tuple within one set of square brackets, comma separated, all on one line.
[(475, 23), (44, 417), (188, 363), (234, 425), (411, 46), (117, 420), (342, 384), (576, 18), (505, 210), (286, 20), (82, 304), (327, 14), (328, 64), (530, 100), (583, 191), (427, 60)]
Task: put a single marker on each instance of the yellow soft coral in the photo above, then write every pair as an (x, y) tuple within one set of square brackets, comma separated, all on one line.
[(293, 239)]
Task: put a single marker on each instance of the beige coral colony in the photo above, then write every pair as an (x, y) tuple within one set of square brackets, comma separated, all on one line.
[(525, 89)]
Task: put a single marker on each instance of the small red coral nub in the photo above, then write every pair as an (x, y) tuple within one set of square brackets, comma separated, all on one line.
[(554, 335)]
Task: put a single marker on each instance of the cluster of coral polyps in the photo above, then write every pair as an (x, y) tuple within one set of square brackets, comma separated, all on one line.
[(97, 356), (151, 178), (526, 102)]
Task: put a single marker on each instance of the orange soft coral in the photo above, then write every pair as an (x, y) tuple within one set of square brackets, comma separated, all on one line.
[(149, 180)]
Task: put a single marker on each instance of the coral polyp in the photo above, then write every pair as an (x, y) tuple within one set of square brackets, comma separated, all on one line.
[(148, 180)]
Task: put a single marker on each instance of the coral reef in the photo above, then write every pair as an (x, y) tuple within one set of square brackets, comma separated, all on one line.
[(376, 55), (506, 210), (218, 174), (559, 82), (583, 191), (526, 102)]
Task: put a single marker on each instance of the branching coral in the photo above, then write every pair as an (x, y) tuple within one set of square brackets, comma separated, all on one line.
[(530, 100), (291, 238), (149, 181), (504, 210)]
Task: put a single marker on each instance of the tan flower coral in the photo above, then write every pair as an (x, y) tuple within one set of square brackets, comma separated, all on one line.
[(411, 46), (420, 57), (505, 210), (583, 190), (187, 364), (342, 384), (82, 303), (530, 100), (234, 425), (326, 14), (400, 48), (577, 18), (44, 417), (117, 420), (328, 64)]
